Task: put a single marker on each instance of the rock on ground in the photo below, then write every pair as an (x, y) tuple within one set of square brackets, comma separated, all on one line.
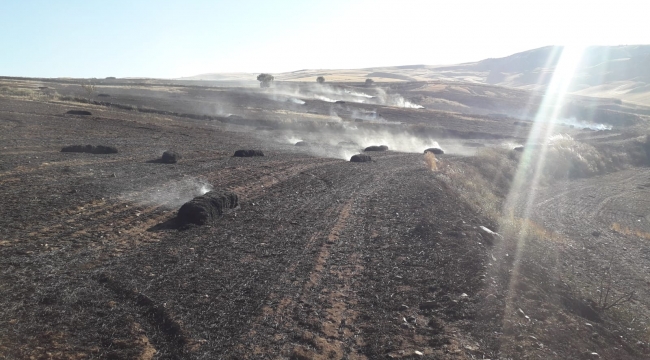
[(205, 208)]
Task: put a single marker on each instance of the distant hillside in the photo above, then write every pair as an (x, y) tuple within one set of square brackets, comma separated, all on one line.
[(621, 72)]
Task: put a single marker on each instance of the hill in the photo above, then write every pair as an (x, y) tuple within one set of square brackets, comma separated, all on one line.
[(605, 71)]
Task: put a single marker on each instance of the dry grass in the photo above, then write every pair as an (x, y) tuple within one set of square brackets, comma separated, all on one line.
[(624, 230), (431, 161)]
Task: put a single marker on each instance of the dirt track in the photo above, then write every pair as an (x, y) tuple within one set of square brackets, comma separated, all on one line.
[(607, 219)]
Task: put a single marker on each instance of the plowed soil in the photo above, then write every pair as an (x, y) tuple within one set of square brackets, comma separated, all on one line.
[(323, 258)]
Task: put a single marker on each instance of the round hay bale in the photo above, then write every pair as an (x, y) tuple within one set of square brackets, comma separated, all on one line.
[(248, 153), (170, 157), (79, 112), (376, 148), (435, 151), (519, 148), (360, 158), (99, 149), (302, 143), (207, 207), (78, 148)]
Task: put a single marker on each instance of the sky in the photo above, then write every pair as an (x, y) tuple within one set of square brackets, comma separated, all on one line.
[(170, 39)]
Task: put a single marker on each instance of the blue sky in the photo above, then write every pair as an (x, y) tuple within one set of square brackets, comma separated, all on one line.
[(148, 38)]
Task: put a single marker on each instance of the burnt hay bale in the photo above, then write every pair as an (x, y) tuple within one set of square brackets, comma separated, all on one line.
[(170, 157), (435, 151), (302, 143), (78, 148), (376, 148), (99, 149), (519, 148), (79, 112), (103, 95), (248, 153), (205, 208), (360, 158)]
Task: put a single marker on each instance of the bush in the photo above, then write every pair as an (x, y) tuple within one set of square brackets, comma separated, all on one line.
[(430, 161), (370, 82), (320, 79)]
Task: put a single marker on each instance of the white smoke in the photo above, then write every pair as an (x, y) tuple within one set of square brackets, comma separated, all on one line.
[(323, 98), (172, 194), (354, 93), (297, 101), (580, 124), (395, 100)]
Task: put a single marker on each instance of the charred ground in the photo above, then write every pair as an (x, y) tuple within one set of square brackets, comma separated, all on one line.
[(324, 258)]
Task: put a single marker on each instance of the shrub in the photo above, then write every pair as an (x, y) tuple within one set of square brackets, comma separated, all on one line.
[(430, 161)]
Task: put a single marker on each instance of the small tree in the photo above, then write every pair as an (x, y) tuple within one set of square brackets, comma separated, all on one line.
[(370, 82), (265, 80), (320, 79), (89, 88)]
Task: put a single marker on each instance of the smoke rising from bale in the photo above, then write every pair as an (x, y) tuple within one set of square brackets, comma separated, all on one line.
[(172, 194)]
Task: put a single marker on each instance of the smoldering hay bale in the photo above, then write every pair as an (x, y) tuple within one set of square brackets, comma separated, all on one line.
[(376, 148), (207, 207), (79, 112), (360, 158), (170, 157), (302, 143), (519, 148), (248, 153), (99, 149), (435, 151)]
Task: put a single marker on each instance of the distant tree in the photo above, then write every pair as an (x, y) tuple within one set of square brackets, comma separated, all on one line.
[(89, 88), (265, 80), (320, 79), (370, 82)]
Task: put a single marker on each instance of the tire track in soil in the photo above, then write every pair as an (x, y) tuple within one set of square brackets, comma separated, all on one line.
[(334, 334), (285, 306), (335, 338), (123, 225), (585, 211)]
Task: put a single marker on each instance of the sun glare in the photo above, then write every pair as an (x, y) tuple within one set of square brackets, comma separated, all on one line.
[(529, 173)]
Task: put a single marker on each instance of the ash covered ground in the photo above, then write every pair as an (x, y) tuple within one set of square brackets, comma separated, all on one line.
[(323, 258)]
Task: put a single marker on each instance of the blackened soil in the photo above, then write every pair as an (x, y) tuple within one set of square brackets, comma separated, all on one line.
[(324, 258)]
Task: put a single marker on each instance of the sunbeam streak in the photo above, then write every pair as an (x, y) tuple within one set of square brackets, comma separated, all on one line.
[(529, 171)]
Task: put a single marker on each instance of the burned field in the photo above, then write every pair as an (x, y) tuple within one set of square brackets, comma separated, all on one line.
[(291, 254)]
